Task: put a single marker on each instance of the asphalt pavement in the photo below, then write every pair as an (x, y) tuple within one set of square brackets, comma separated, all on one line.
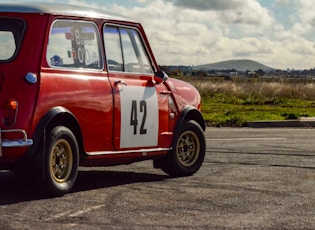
[(250, 179)]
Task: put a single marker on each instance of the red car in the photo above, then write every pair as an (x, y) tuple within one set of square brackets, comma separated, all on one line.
[(81, 87)]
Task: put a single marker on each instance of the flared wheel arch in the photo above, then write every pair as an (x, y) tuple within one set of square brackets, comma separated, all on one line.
[(187, 114), (58, 116)]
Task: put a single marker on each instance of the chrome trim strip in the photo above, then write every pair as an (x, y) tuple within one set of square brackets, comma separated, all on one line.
[(16, 143), (16, 131), (167, 133), (25, 142), (144, 151)]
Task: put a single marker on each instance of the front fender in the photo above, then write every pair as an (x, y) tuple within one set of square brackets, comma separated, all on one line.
[(188, 113)]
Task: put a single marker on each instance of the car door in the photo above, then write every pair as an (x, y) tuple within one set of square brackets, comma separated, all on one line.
[(72, 77), (140, 105)]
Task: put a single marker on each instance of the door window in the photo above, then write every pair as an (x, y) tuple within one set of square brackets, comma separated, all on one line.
[(125, 51), (113, 49)]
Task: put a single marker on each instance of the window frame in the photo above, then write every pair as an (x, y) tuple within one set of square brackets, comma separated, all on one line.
[(100, 46), (142, 41), (19, 41)]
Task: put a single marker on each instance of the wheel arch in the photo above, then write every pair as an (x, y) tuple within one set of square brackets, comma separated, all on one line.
[(188, 113), (57, 116)]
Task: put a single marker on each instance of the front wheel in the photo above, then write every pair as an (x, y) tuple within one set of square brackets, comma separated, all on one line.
[(61, 161), (188, 151)]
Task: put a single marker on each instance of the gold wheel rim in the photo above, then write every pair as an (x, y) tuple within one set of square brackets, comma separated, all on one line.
[(61, 161), (188, 148)]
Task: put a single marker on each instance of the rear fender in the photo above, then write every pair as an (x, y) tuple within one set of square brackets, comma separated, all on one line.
[(54, 117), (32, 164)]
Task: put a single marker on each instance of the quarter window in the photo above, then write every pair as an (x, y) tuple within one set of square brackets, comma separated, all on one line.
[(74, 44), (125, 51)]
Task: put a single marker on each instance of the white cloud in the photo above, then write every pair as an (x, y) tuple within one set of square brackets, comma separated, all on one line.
[(188, 36), (306, 15), (250, 13), (251, 31), (208, 5)]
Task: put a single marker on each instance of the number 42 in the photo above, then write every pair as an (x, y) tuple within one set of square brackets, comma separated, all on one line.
[(134, 116)]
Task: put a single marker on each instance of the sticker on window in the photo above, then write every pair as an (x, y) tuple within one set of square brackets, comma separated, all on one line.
[(56, 61)]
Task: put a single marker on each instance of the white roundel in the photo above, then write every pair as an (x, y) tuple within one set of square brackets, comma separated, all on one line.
[(139, 117)]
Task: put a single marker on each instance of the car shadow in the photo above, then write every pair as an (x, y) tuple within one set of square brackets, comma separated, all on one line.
[(88, 180), (14, 191)]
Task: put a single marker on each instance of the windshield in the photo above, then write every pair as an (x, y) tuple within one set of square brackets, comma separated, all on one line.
[(11, 31)]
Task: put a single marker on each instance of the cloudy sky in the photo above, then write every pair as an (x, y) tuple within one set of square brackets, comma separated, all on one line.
[(277, 33)]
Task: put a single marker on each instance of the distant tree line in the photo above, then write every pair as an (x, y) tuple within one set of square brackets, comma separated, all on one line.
[(191, 71)]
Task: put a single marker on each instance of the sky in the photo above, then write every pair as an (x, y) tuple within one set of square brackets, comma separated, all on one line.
[(276, 33)]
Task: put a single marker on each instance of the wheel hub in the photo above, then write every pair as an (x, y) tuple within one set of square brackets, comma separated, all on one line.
[(61, 161), (188, 149)]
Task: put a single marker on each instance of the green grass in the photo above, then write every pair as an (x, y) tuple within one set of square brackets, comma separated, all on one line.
[(220, 110), (233, 103)]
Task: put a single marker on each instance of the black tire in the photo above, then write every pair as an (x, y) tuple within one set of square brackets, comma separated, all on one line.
[(188, 152), (61, 161)]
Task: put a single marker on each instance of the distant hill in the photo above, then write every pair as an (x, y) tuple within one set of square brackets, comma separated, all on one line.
[(239, 65)]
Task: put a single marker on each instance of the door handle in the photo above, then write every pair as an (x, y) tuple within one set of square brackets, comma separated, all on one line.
[(120, 82)]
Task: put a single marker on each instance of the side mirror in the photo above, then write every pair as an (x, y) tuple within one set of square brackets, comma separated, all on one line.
[(161, 75)]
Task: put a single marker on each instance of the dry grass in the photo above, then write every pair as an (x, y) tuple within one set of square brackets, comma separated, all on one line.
[(234, 102), (285, 89)]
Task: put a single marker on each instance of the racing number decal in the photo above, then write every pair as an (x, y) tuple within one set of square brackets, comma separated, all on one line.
[(133, 118), (139, 117)]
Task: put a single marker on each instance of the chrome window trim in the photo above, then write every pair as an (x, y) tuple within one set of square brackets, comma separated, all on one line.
[(79, 68), (146, 50)]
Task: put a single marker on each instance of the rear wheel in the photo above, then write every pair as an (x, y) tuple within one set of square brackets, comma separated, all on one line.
[(188, 152), (61, 161)]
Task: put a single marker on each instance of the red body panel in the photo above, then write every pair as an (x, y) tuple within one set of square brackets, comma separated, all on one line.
[(87, 96), (184, 94), (13, 83)]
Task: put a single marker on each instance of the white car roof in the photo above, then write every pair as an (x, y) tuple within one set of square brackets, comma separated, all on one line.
[(60, 9)]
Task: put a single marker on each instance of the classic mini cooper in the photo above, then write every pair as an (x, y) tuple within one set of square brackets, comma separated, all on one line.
[(81, 87)]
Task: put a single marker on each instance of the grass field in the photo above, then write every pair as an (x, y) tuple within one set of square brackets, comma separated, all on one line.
[(235, 101)]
